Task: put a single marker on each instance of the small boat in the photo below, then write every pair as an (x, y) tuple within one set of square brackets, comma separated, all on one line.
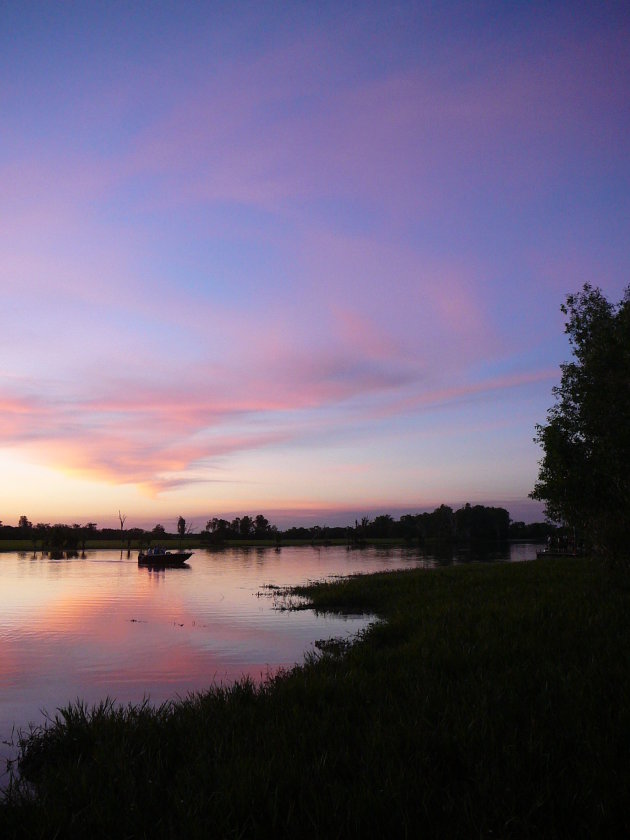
[(159, 557)]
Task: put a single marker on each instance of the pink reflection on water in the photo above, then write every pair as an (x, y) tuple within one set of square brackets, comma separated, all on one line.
[(102, 626)]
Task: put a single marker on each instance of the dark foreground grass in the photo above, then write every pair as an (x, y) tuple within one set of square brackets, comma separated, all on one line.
[(492, 702)]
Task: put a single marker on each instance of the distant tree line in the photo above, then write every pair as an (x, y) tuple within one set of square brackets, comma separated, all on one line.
[(468, 523), (240, 528), (57, 537)]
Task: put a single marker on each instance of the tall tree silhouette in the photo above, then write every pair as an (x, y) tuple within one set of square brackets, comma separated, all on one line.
[(584, 476)]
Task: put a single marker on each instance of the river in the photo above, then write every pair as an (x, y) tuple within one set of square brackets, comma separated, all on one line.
[(100, 625)]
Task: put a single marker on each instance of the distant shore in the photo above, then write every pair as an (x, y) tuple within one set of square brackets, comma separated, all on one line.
[(193, 542)]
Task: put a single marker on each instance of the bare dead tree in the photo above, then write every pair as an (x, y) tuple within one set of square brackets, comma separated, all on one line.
[(123, 518)]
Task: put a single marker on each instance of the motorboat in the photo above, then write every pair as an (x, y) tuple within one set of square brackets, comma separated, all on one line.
[(160, 557)]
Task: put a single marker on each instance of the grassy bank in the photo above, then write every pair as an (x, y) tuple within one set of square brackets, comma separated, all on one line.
[(493, 701)]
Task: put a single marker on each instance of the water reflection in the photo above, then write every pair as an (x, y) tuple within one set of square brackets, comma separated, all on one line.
[(101, 625)]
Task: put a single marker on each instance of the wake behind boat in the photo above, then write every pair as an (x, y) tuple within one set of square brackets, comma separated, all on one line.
[(160, 557)]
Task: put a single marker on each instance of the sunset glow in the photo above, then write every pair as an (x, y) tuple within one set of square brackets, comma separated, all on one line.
[(303, 260)]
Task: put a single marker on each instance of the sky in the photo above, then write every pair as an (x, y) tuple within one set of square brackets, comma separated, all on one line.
[(303, 259)]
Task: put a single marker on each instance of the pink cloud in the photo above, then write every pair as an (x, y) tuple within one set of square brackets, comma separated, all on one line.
[(431, 310), (363, 335), (22, 419), (403, 140), (157, 442), (146, 435), (459, 393)]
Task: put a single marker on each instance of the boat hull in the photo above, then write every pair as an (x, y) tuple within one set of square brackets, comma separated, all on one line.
[(167, 559)]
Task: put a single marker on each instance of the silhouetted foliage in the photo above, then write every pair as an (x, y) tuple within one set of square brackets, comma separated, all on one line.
[(41, 533), (297, 533), (444, 525), (261, 527), (63, 539), (537, 531), (25, 525), (584, 476), (245, 526), (482, 523)]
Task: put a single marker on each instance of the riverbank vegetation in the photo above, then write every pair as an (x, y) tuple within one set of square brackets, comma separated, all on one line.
[(491, 701), (468, 523)]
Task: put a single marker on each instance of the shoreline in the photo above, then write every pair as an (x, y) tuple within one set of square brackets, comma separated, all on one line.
[(26, 546)]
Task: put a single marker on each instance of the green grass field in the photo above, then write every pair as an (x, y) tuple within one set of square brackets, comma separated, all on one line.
[(490, 701)]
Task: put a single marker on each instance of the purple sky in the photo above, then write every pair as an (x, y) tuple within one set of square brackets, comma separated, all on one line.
[(304, 259)]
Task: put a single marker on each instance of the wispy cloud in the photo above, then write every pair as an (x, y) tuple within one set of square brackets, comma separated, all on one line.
[(158, 440)]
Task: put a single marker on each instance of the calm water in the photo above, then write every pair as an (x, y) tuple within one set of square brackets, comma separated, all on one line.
[(101, 626)]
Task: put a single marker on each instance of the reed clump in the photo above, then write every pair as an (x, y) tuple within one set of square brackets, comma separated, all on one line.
[(489, 701)]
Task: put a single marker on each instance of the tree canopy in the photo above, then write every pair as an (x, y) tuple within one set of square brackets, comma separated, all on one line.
[(470, 523), (584, 476)]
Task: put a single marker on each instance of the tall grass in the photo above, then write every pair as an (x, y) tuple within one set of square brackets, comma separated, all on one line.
[(490, 701)]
